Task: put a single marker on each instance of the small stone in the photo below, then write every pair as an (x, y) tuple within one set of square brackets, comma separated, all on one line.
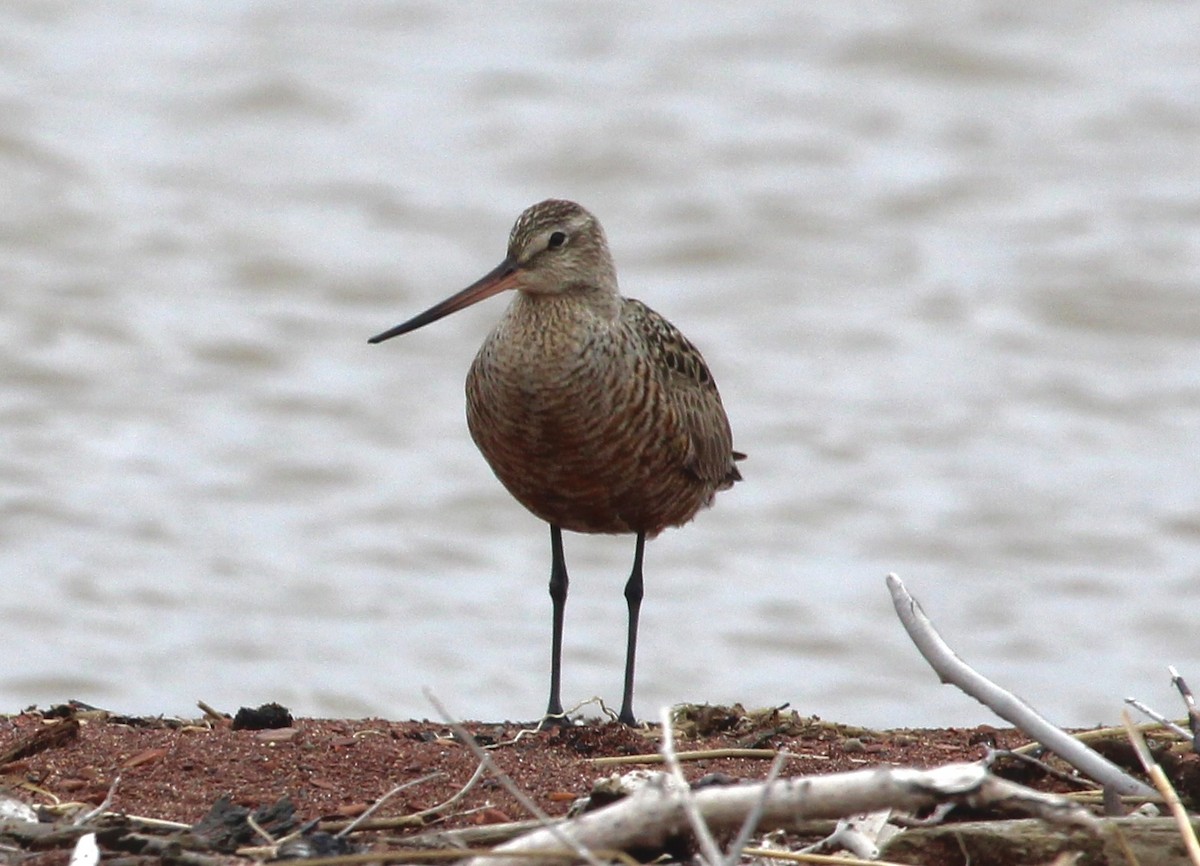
[(281, 735)]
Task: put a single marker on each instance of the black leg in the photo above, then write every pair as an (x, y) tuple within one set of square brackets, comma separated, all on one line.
[(558, 598), (633, 596)]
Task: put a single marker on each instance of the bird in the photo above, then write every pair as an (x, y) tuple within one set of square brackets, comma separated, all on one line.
[(594, 411)]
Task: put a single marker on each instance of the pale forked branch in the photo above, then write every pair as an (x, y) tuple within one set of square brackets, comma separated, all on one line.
[(656, 813), (953, 670)]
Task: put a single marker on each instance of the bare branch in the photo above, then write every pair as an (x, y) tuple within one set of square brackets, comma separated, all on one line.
[(1189, 701), (104, 806), (951, 669), (656, 812), (1159, 717), (549, 826), (710, 853), (697, 755), (458, 795), (751, 823), (258, 828), (403, 786)]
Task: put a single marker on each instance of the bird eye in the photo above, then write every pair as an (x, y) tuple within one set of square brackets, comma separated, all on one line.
[(557, 239)]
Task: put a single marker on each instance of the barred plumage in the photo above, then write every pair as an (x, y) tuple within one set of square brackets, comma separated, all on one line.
[(594, 411)]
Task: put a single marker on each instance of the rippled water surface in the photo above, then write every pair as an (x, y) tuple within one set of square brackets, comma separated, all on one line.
[(944, 262)]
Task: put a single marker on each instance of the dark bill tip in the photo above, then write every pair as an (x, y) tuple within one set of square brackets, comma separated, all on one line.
[(503, 276)]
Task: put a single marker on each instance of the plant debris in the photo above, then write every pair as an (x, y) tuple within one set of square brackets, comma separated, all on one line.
[(204, 789)]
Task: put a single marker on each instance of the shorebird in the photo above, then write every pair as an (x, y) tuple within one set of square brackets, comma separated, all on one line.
[(594, 411)]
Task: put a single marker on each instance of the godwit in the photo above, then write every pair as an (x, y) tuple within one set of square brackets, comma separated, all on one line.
[(594, 411)]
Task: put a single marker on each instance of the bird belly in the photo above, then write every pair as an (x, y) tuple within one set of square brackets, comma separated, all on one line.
[(585, 447)]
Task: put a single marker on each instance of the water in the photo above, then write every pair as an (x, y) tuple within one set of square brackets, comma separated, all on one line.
[(943, 262)]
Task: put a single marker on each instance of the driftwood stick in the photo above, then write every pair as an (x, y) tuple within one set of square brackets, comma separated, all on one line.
[(694, 755), (1147, 710), (1123, 842), (403, 786), (734, 856), (549, 826), (953, 670), (1155, 771), (1189, 701), (710, 854), (656, 812)]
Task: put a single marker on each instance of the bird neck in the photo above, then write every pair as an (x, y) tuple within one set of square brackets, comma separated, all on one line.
[(571, 306)]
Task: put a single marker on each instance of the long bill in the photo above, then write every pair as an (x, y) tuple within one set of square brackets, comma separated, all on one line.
[(503, 276)]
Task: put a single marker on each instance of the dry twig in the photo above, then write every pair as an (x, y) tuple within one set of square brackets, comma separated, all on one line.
[(696, 755), (1156, 774), (751, 822), (710, 853), (951, 669), (1189, 701), (80, 820), (830, 859), (211, 714), (1162, 720), (549, 826), (403, 786)]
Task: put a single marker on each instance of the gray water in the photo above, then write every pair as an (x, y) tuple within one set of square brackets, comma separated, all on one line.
[(943, 259)]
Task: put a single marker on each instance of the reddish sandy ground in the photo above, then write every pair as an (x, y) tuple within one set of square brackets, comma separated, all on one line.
[(334, 769)]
